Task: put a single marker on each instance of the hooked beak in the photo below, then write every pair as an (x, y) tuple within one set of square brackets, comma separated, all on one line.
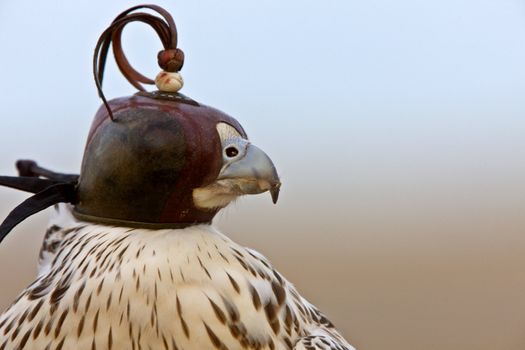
[(253, 173)]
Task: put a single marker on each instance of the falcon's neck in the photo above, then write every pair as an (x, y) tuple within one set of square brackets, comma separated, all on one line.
[(105, 249), (173, 244)]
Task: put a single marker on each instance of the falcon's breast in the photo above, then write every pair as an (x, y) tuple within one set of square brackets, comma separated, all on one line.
[(191, 288)]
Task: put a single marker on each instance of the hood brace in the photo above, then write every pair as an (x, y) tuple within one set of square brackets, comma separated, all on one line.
[(54, 188)]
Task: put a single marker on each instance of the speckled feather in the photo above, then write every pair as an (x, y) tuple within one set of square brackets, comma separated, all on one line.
[(103, 287)]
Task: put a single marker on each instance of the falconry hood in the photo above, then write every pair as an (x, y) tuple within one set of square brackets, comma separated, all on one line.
[(154, 159)]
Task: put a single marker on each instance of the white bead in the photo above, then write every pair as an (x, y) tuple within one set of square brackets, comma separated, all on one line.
[(169, 81)]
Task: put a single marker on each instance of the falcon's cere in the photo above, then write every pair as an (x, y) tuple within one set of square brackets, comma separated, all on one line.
[(130, 259)]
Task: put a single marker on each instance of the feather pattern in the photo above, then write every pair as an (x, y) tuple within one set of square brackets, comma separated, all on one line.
[(104, 287)]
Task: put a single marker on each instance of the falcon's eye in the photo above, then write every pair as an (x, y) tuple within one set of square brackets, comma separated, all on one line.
[(233, 145), (231, 151)]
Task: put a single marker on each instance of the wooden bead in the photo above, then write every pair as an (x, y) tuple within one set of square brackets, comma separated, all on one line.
[(169, 81)]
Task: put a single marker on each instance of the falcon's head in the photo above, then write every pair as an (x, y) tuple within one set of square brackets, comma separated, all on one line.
[(167, 162), (246, 169)]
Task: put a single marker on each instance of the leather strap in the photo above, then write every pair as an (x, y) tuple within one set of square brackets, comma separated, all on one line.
[(58, 188), (26, 183)]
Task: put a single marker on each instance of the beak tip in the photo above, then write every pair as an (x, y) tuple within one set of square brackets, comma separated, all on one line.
[(274, 191)]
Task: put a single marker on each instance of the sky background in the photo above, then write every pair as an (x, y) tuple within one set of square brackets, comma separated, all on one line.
[(398, 128)]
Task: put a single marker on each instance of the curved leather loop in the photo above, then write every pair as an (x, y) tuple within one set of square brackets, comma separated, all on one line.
[(165, 28)]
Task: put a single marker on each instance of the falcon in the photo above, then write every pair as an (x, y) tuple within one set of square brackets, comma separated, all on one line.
[(131, 259)]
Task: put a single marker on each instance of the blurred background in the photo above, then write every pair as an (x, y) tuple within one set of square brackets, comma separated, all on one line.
[(398, 128)]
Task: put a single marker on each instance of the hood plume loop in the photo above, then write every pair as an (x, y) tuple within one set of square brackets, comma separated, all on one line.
[(171, 59)]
